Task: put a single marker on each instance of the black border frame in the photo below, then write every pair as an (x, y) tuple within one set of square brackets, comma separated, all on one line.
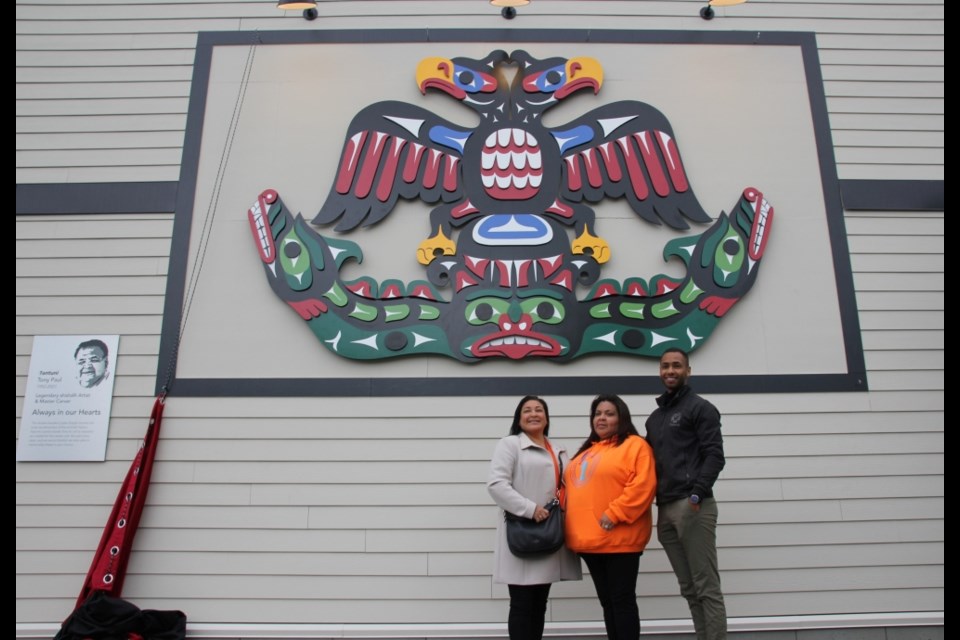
[(854, 380)]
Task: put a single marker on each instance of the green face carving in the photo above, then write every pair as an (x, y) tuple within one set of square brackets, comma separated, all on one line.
[(367, 320)]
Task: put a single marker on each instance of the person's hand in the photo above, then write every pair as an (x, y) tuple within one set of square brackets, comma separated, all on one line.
[(694, 502), (606, 523), (540, 514)]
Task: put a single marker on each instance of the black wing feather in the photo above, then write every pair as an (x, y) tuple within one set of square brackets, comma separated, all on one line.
[(632, 153), (387, 155)]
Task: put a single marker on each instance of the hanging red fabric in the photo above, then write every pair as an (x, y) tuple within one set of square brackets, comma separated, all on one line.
[(109, 566)]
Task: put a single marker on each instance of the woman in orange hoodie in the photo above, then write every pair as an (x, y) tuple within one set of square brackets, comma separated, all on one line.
[(610, 486)]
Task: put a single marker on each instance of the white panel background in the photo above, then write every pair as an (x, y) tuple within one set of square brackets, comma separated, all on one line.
[(289, 138), (339, 511)]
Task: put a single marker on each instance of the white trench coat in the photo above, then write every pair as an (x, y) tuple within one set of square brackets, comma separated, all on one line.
[(522, 476)]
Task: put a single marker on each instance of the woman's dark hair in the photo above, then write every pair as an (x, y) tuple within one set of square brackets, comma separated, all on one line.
[(515, 427), (624, 427)]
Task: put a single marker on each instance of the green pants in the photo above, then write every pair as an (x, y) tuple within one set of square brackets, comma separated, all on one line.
[(690, 539)]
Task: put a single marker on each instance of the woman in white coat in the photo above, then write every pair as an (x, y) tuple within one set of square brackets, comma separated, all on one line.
[(523, 479)]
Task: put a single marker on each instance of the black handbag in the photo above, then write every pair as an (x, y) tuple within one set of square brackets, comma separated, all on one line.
[(526, 537)]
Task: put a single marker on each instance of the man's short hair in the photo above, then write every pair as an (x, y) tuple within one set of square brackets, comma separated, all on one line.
[(686, 356), (90, 344)]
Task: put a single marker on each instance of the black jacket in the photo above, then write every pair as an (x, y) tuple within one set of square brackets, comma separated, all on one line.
[(684, 432), (104, 617)]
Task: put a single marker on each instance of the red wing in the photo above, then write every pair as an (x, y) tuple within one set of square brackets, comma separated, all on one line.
[(390, 153), (627, 149)]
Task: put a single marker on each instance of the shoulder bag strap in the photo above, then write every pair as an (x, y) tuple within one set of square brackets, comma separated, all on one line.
[(557, 464)]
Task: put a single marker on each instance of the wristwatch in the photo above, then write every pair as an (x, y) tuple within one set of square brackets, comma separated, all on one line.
[(694, 498)]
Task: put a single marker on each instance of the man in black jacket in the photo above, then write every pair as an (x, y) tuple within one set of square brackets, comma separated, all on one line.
[(684, 432)]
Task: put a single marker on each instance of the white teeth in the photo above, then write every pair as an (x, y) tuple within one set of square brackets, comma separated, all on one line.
[(515, 159), (505, 182), (499, 342), (761, 226), (503, 138), (496, 157), (260, 221)]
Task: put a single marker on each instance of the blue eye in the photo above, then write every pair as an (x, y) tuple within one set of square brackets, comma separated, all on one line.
[(551, 79), (468, 80)]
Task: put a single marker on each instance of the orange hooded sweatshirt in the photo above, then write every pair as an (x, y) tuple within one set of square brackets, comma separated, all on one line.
[(619, 481)]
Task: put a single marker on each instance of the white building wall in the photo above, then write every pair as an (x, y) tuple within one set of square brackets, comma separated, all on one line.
[(373, 511), (102, 86)]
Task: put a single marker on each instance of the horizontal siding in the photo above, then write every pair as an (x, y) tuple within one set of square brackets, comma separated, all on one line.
[(90, 286), (117, 173), (329, 511), (172, 493), (327, 588), (127, 422), (368, 519), (361, 451), (882, 65), (280, 611), (67, 116)]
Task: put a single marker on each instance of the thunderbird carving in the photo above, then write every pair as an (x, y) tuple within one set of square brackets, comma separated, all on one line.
[(513, 260)]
